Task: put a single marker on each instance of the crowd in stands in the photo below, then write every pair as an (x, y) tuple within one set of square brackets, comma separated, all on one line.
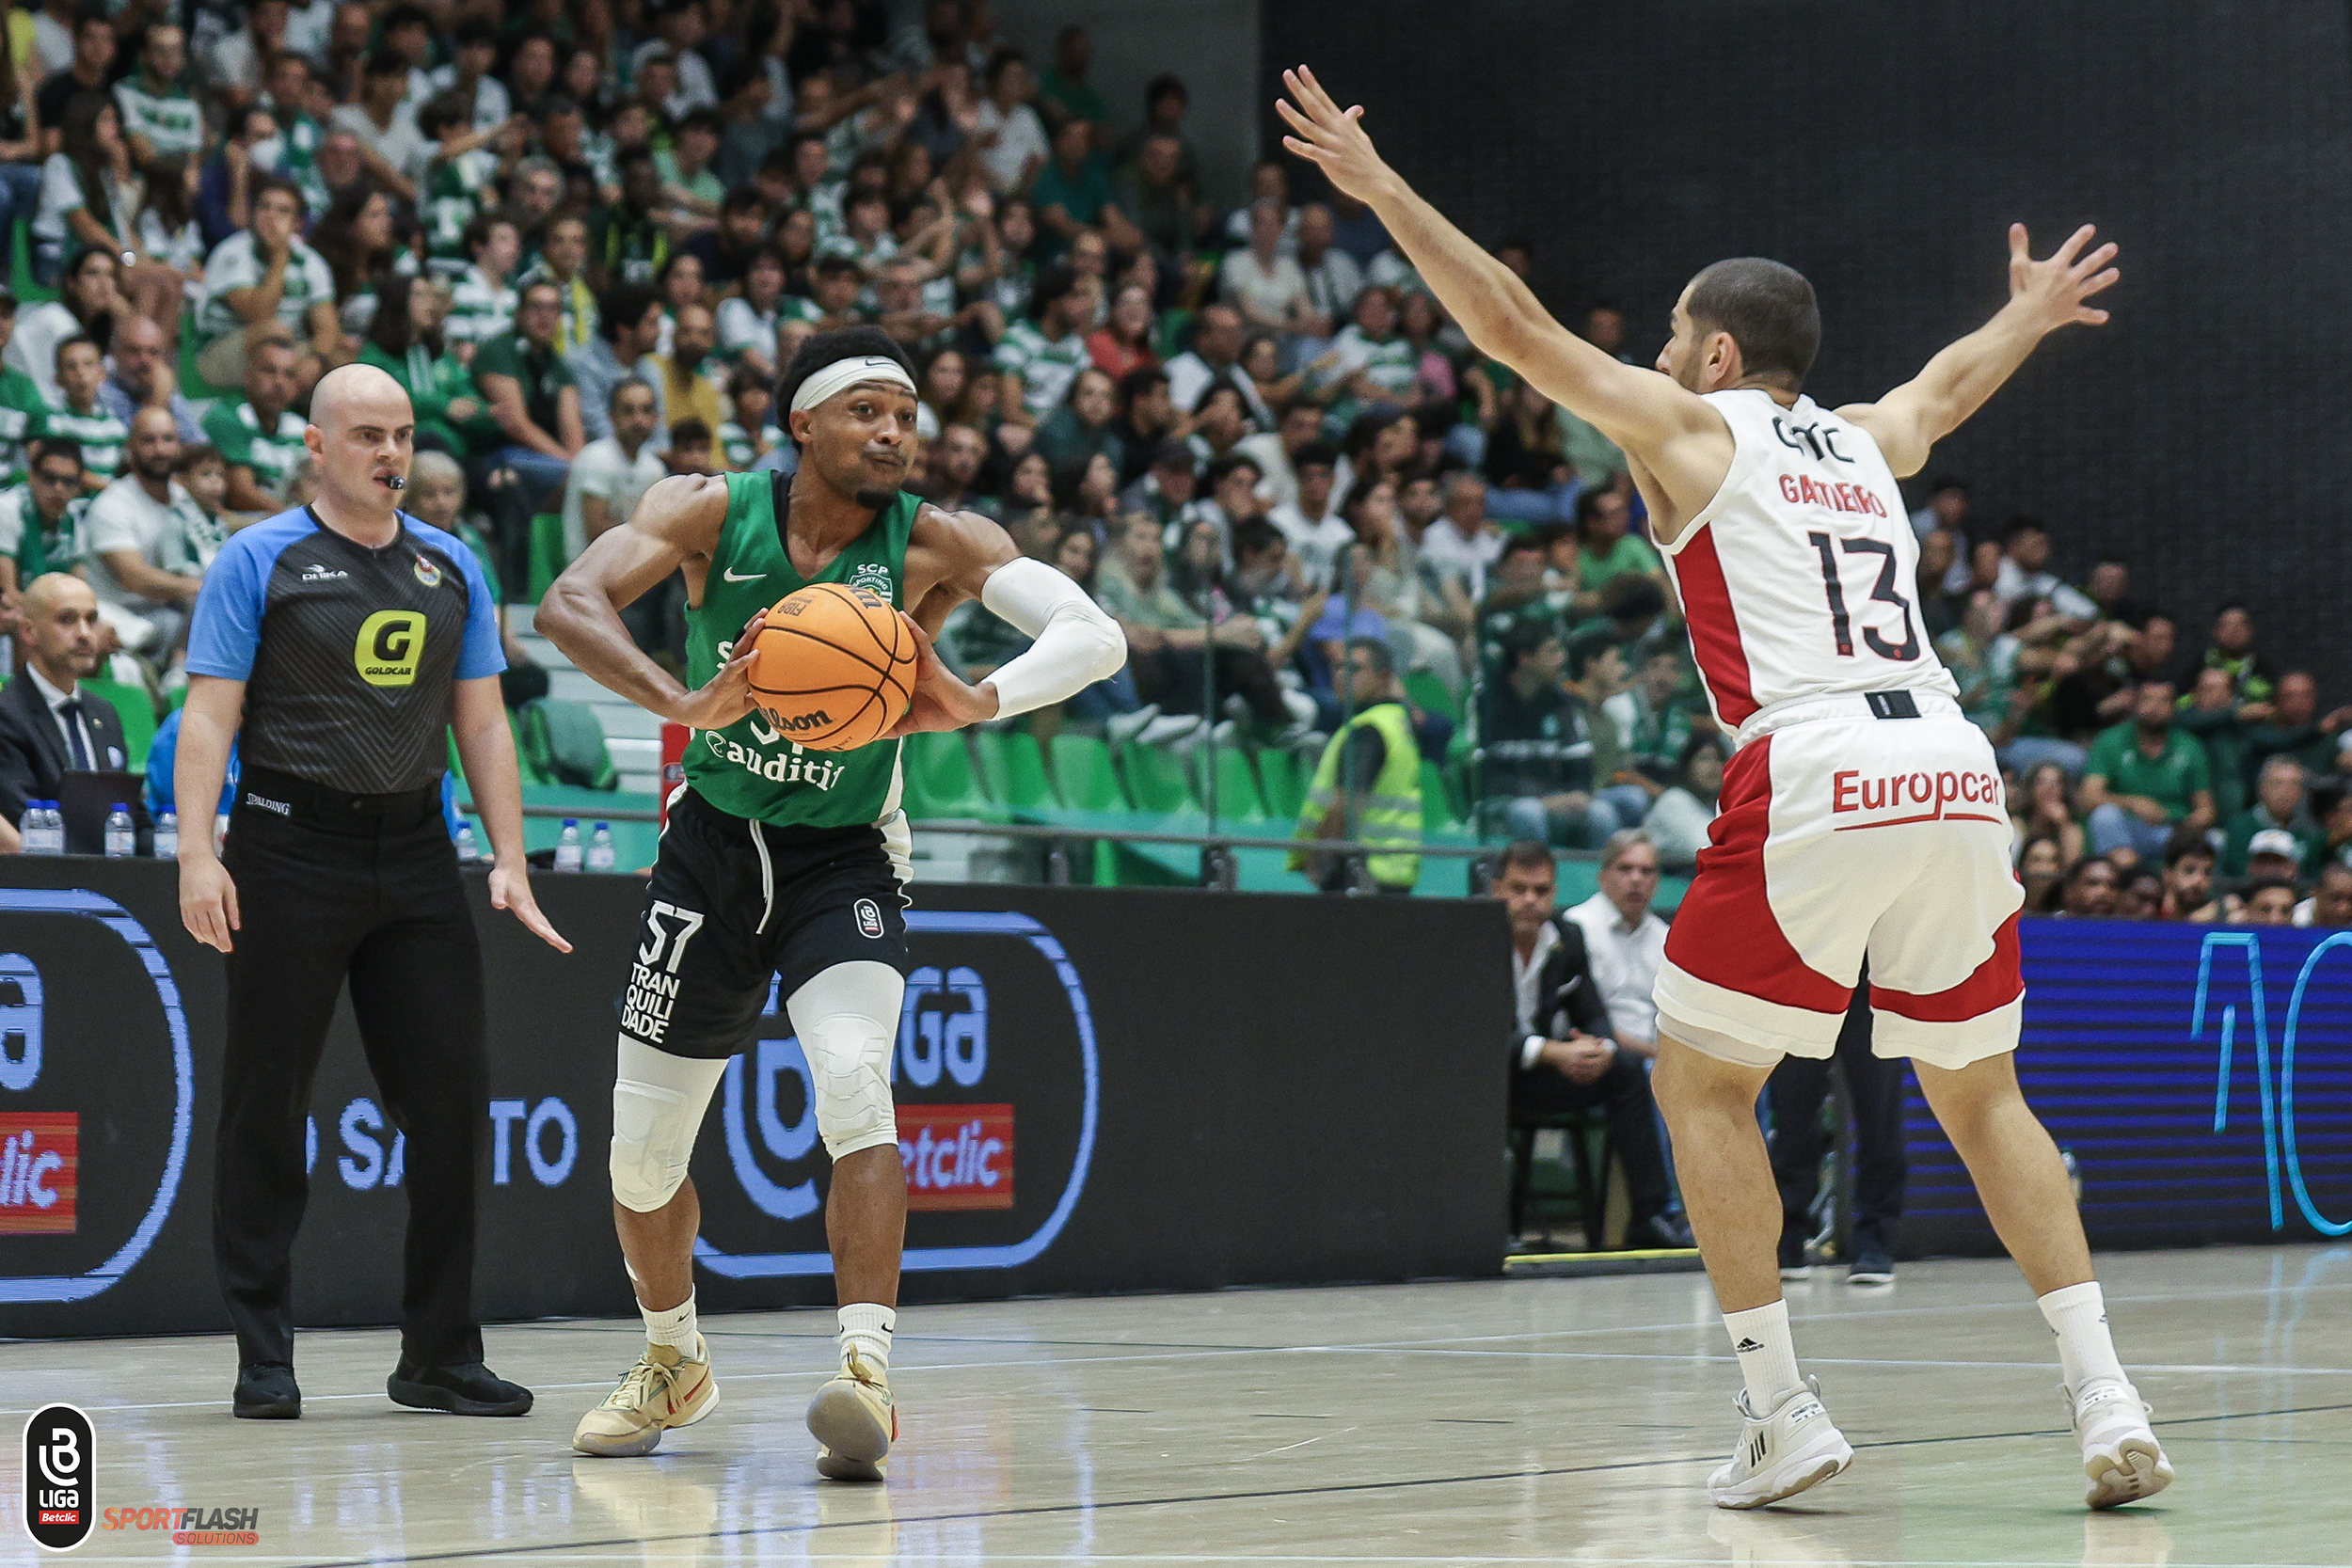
[(586, 234)]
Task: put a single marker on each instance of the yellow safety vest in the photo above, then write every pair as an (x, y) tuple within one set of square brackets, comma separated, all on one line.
[(1390, 812)]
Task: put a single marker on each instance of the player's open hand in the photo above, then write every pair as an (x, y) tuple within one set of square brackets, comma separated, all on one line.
[(1330, 137), (942, 699), (727, 696), (2055, 290)]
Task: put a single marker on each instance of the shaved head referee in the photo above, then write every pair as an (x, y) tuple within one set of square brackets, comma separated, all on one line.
[(347, 638)]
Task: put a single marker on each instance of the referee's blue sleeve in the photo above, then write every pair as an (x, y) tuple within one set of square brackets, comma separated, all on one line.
[(226, 631), (483, 654)]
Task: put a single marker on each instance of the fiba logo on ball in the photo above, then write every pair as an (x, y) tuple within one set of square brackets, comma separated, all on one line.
[(59, 1472)]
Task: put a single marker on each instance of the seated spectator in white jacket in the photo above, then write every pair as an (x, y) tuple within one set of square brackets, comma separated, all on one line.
[(1679, 818)]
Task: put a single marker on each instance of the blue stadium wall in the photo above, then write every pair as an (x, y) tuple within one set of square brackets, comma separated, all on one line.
[(1884, 149)]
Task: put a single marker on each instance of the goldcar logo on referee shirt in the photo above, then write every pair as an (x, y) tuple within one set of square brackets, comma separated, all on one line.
[(391, 642)]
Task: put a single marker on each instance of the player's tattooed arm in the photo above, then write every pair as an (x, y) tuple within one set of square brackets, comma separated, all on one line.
[(675, 525), (2042, 297)]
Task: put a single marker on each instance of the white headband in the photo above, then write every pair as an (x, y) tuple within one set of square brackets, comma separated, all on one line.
[(842, 375)]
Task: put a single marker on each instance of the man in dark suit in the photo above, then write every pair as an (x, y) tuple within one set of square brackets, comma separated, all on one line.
[(1564, 1055), (48, 725)]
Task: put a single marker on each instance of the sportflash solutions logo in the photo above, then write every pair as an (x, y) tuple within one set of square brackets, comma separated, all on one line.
[(196, 1526)]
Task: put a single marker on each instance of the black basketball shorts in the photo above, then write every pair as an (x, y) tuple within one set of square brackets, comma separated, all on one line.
[(733, 903)]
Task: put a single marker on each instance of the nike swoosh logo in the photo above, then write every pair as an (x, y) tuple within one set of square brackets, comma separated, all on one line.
[(733, 575)]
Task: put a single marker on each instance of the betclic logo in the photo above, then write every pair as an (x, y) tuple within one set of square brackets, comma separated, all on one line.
[(995, 1033), (97, 1093), (59, 1475)]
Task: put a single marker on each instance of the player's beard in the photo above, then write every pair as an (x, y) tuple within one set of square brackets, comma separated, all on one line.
[(873, 497)]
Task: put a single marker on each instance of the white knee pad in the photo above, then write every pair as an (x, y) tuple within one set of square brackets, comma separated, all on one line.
[(847, 1019), (657, 1105)]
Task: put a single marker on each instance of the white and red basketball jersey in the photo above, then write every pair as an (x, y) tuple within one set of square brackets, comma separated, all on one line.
[(1797, 579)]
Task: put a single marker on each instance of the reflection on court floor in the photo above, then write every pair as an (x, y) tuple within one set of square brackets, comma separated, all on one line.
[(1499, 1422)]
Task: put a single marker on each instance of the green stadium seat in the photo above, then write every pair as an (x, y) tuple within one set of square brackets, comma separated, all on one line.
[(1083, 769), (565, 742), (1237, 796), (1438, 808), (1285, 776), (936, 767), (547, 555), (1013, 767), (1156, 781), (139, 718), (1426, 691)]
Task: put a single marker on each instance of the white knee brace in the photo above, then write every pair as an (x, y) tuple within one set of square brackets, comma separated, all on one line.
[(657, 1105), (848, 1021)]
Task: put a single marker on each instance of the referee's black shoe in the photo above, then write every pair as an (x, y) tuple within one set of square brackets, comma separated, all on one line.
[(266, 1391), (469, 1388)]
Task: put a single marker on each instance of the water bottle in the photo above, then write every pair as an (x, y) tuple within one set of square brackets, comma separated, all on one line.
[(168, 835), (33, 828), (51, 828), (2074, 1173), (567, 847), (600, 848), (468, 850), (121, 837)]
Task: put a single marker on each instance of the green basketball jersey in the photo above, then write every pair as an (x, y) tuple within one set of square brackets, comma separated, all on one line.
[(748, 769)]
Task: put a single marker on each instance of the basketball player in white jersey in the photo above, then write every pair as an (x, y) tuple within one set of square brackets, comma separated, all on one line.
[(1862, 816)]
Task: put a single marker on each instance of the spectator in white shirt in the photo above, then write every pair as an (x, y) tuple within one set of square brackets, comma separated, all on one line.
[(1625, 942), (1263, 284), (1216, 341), (1010, 138), (1464, 541), (682, 28), (1316, 531), (392, 148), (2026, 573), (134, 533), (1275, 452), (611, 475), (1334, 277)]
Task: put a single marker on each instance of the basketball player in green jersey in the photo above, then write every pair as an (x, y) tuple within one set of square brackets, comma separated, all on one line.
[(785, 863)]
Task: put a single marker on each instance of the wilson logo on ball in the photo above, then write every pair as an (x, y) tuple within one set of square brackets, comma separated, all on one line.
[(834, 666)]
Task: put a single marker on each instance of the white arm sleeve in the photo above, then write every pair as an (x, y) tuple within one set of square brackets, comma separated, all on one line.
[(1076, 644)]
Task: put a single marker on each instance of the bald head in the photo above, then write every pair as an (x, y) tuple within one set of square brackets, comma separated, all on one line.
[(61, 629), (52, 590), (361, 435)]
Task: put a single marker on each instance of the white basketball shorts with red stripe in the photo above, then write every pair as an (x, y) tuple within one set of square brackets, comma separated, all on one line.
[(1844, 836)]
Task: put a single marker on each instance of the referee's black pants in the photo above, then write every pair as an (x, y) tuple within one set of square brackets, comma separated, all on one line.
[(364, 889), (1874, 1090)]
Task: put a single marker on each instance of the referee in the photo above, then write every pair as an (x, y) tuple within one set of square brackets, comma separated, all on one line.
[(349, 638)]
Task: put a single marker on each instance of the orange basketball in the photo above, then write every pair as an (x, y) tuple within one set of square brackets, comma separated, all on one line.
[(834, 667)]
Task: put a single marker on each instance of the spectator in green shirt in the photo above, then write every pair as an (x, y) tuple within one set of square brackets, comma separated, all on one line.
[(1064, 95), (2280, 804), (1606, 548), (1074, 194), (405, 341), (535, 403), (2144, 778)]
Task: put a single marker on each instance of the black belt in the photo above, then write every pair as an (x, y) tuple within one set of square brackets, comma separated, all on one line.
[(290, 794)]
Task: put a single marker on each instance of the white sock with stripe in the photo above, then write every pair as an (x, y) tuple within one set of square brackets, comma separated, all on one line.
[(2078, 1316), (1767, 1357)]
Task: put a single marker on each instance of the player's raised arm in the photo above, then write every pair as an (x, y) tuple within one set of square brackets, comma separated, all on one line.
[(2042, 297), (677, 520), (1639, 409)]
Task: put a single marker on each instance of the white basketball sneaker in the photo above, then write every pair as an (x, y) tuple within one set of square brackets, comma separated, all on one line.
[(1791, 1446), (854, 1421), (2120, 1454)]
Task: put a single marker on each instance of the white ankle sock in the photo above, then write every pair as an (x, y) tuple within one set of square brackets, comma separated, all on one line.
[(865, 1327), (1768, 1358), (2078, 1316), (674, 1326)]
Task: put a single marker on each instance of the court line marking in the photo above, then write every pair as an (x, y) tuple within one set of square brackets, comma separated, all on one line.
[(638, 1544)]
